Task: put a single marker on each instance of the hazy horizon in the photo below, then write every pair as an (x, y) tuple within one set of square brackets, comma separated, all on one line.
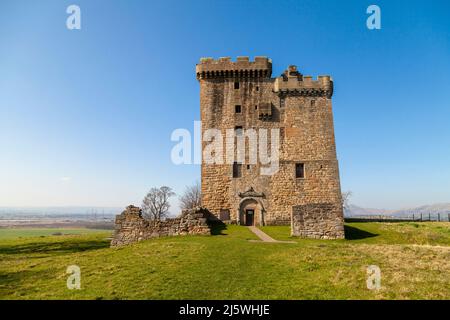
[(172, 211)]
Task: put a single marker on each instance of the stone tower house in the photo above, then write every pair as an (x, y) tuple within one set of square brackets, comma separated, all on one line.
[(305, 191)]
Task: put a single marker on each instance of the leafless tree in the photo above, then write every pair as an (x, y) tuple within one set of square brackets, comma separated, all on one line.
[(155, 205), (346, 199), (191, 197)]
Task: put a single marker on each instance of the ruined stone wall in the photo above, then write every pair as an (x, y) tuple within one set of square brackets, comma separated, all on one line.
[(317, 220), (131, 227), (300, 107)]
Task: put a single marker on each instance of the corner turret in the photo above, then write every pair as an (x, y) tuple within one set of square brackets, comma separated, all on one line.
[(292, 82)]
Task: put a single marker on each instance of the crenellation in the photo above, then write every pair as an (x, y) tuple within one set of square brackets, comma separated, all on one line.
[(243, 59), (223, 67), (293, 83)]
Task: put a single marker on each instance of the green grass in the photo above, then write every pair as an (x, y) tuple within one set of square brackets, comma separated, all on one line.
[(228, 266), (420, 233), (13, 233)]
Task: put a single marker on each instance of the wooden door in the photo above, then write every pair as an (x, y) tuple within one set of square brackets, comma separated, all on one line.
[(249, 217)]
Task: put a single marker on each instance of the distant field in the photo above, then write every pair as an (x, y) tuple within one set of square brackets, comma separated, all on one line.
[(14, 233), (414, 259)]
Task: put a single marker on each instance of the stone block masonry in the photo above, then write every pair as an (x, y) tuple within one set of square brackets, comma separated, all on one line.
[(317, 220), (131, 227), (243, 94)]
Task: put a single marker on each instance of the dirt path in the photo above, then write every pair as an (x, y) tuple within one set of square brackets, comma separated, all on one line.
[(265, 237)]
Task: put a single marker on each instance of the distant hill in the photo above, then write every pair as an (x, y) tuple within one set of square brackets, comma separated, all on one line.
[(442, 208), (434, 209), (355, 210)]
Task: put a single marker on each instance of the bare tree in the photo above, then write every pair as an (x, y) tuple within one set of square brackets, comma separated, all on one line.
[(155, 205), (346, 199), (191, 197)]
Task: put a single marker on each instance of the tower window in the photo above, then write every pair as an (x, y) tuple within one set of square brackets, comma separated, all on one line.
[(224, 214), (237, 170), (300, 170), (238, 130), (237, 108), (236, 85), (257, 88), (256, 107)]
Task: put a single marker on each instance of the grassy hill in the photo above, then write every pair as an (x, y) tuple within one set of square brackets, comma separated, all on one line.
[(414, 259)]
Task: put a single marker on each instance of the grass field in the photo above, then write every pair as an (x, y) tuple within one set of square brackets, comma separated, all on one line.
[(14, 233), (414, 259)]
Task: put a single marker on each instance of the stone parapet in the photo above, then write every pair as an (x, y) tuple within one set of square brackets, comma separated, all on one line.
[(292, 82), (208, 68)]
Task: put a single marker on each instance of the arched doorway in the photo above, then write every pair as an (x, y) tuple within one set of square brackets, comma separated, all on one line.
[(250, 212)]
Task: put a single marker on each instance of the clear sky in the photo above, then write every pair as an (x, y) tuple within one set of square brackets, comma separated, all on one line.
[(86, 115)]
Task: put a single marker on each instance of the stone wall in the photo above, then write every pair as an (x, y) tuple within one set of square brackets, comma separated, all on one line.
[(318, 220), (300, 107), (131, 227)]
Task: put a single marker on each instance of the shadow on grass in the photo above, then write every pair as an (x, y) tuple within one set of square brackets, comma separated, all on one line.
[(352, 233), (12, 280), (217, 228), (59, 247)]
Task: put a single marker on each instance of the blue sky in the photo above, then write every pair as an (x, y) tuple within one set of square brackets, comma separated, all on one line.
[(86, 115)]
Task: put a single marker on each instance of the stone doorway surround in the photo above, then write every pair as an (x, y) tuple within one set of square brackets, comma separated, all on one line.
[(251, 200), (251, 204)]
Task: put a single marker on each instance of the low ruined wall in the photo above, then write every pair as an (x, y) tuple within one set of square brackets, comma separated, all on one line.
[(318, 220), (131, 227)]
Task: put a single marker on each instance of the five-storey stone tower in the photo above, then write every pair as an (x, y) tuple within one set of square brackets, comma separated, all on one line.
[(305, 189)]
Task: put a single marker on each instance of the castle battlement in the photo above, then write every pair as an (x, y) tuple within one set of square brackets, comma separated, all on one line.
[(209, 68), (292, 82)]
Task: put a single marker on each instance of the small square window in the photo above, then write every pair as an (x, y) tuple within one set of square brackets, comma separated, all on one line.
[(236, 85), (248, 167), (257, 88), (238, 130), (237, 170), (237, 108), (224, 214), (256, 107), (300, 170)]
